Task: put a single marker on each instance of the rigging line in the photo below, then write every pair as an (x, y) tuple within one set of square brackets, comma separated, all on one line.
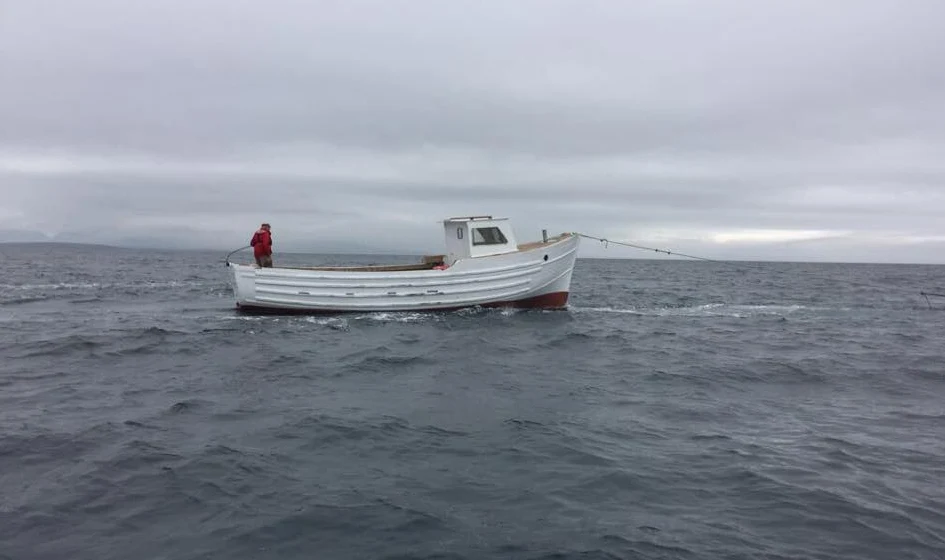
[(635, 246), (606, 241)]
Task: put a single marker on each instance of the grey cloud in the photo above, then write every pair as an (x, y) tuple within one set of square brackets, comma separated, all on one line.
[(374, 119)]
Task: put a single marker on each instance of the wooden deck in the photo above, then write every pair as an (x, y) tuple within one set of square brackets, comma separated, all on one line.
[(370, 268), (537, 244)]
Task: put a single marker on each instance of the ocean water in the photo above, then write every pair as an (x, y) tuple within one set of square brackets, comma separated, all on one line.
[(677, 409)]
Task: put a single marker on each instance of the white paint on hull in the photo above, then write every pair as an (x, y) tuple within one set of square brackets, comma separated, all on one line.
[(515, 276)]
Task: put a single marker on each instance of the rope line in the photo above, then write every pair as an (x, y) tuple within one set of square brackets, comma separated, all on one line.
[(607, 242)]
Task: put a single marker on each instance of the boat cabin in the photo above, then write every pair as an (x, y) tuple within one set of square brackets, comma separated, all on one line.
[(477, 236)]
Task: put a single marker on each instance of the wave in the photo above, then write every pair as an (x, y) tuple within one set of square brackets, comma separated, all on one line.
[(121, 342), (522, 424), (62, 346), (139, 453), (283, 360), (110, 285), (321, 429), (566, 337), (395, 317), (641, 548), (187, 406), (84, 300), (87, 292), (582, 554), (626, 311), (142, 425), (737, 311), (22, 300), (378, 361), (37, 447), (808, 500), (318, 430), (379, 522), (770, 371), (338, 322), (54, 286), (335, 323), (710, 437)]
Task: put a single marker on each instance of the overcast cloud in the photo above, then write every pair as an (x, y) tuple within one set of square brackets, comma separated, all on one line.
[(777, 130)]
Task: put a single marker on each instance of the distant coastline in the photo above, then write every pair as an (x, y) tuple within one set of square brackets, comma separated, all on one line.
[(341, 252)]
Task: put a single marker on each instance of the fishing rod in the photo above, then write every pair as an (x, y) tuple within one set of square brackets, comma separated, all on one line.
[(227, 259)]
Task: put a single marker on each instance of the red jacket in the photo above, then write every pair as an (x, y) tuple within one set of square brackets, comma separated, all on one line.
[(262, 243)]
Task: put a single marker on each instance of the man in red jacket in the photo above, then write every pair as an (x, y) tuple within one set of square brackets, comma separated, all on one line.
[(262, 246)]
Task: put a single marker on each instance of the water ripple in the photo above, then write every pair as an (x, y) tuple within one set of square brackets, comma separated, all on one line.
[(675, 411)]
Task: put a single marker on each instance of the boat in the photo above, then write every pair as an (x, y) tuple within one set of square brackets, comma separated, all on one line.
[(483, 266)]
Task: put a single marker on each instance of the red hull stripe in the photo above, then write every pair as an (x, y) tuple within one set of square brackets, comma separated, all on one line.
[(554, 300)]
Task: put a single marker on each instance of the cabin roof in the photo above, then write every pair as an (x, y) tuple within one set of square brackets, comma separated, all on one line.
[(474, 219)]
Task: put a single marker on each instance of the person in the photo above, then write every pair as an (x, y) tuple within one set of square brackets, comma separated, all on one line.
[(262, 246)]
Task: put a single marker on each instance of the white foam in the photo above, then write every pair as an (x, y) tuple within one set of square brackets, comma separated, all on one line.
[(606, 310), (59, 286), (394, 317), (253, 318), (331, 322), (704, 310)]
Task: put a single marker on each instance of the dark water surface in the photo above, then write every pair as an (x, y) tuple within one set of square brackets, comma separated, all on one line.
[(677, 410)]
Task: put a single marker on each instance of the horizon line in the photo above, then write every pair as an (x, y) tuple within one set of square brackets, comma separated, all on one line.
[(679, 258)]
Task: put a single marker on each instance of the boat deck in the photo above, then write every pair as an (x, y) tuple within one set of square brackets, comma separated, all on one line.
[(428, 261), (369, 268), (537, 244)]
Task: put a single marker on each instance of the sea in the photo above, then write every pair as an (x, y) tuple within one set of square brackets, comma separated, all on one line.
[(677, 409)]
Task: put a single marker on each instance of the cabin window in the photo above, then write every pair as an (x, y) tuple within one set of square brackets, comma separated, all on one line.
[(488, 236), (459, 233)]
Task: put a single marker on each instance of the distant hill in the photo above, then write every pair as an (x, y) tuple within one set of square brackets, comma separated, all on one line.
[(21, 236), (188, 240)]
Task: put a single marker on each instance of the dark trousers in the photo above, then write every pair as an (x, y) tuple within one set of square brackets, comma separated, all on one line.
[(265, 261)]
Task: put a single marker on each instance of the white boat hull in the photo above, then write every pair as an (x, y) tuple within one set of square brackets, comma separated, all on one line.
[(537, 276)]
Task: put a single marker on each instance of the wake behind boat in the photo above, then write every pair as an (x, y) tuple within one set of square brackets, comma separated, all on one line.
[(483, 266)]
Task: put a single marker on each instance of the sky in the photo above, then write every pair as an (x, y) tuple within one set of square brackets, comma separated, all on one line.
[(777, 130)]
